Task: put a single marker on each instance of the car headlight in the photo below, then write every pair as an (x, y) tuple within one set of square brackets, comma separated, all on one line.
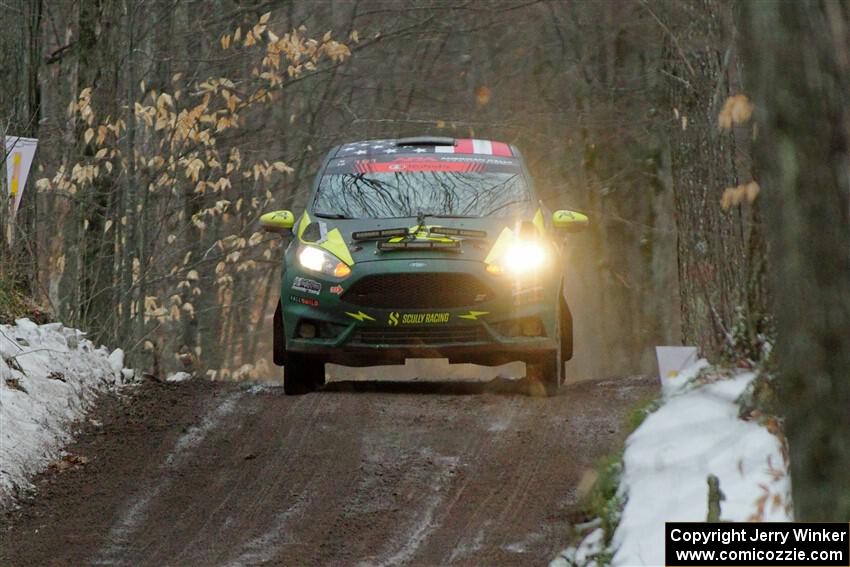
[(318, 260), (521, 257)]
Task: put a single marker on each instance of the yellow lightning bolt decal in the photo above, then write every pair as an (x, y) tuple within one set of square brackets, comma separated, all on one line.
[(360, 316), (473, 315)]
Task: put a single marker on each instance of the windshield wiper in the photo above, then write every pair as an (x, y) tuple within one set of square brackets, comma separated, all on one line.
[(332, 216), (448, 231)]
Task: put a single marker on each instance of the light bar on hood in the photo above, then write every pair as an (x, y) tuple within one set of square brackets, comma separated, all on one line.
[(448, 231), (385, 233)]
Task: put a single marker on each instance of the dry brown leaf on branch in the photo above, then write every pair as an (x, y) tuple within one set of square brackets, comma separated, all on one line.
[(189, 309), (256, 238), (752, 190), (483, 95), (733, 196), (736, 110)]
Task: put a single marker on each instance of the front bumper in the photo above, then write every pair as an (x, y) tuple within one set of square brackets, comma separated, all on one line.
[(515, 320)]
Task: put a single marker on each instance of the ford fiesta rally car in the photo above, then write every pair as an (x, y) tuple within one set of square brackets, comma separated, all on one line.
[(421, 248)]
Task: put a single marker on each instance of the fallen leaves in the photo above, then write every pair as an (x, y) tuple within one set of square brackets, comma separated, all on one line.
[(69, 462), (56, 375), (15, 384)]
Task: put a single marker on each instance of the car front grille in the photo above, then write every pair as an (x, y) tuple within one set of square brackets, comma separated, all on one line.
[(418, 291), (420, 335)]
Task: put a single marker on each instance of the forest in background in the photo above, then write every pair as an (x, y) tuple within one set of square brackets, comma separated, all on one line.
[(706, 139), (140, 210)]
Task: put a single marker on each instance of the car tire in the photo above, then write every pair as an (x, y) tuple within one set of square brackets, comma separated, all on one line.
[(545, 372), (302, 375)]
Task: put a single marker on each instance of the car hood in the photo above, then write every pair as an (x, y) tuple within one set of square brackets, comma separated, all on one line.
[(337, 232)]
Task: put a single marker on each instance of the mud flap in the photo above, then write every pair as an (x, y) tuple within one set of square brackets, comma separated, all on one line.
[(566, 330), (278, 337)]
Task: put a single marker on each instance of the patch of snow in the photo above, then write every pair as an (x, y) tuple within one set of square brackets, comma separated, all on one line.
[(50, 376), (583, 553), (256, 389), (500, 424), (522, 545), (468, 547), (116, 360), (27, 326), (196, 434), (421, 530), (178, 377), (682, 380), (695, 433)]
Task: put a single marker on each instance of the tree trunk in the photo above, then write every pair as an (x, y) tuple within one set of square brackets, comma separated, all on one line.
[(797, 61), (711, 246)]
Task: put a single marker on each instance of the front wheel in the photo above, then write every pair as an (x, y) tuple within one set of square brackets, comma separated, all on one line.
[(302, 375), (545, 372)]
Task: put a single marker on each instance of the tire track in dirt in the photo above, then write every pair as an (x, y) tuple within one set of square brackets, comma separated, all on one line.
[(121, 534)]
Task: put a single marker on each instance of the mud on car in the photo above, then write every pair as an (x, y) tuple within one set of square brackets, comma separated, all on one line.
[(422, 248)]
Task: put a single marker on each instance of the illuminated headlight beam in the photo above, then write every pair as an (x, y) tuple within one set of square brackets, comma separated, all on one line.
[(523, 257)]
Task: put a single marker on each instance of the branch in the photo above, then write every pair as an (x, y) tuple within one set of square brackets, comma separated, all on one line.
[(58, 54)]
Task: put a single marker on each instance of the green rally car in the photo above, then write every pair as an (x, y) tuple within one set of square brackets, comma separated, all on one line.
[(422, 248)]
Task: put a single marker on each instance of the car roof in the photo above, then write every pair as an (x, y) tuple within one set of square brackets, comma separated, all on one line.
[(424, 145)]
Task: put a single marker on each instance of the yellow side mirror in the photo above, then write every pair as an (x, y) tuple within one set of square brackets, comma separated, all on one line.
[(278, 221), (569, 221)]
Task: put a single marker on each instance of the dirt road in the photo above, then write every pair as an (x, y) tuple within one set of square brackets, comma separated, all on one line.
[(206, 473)]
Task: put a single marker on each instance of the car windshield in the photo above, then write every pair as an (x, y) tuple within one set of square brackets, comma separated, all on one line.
[(430, 189)]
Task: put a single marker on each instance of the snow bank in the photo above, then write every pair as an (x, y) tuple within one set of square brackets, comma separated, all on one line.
[(50, 376), (695, 433)]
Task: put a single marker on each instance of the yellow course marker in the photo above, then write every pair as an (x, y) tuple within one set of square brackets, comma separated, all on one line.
[(16, 174)]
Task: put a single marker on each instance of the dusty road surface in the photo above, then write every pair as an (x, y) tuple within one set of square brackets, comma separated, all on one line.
[(205, 473)]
